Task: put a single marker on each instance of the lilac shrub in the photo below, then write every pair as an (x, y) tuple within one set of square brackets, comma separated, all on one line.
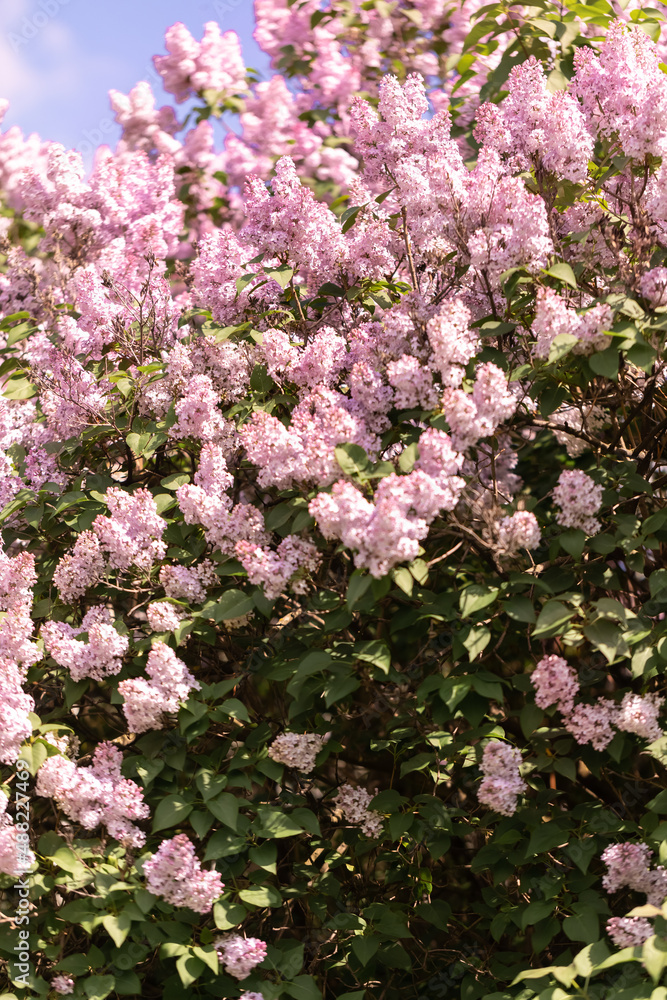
[(332, 580)]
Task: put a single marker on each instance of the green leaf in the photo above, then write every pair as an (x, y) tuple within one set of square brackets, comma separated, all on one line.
[(606, 362), (536, 911), (208, 955), (654, 957), (170, 811), (552, 620), (189, 969), (227, 914), (583, 926), (358, 584), (117, 926), (265, 856), (520, 609), (34, 756), (274, 824), (210, 784), (235, 709), (487, 26), (561, 345), (352, 459), (546, 838), (98, 987), (225, 807), (77, 964), (642, 355), (260, 380), (475, 597), (573, 541), (283, 275), (590, 957), (349, 217), (364, 948), (608, 638), (244, 280), (564, 273), (387, 921), (582, 852), (173, 482), (18, 387), (232, 604), (408, 457), (19, 332), (339, 687), (373, 651), (261, 895), (303, 988), (146, 443), (404, 579), (530, 719), (476, 641)]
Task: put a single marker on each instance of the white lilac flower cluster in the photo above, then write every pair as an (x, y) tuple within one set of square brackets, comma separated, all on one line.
[(354, 804), (295, 750)]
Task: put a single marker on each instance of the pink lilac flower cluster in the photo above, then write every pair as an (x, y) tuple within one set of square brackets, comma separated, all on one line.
[(579, 499), (174, 872), (62, 984), (555, 683), (412, 383), (291, 225), (554, 317), (17, 651), (304, 452), (353, 802), (478, 414), (98, 657), (192, 67), (169, 683), (485, 215), (132, 536), (534, 126), (653, 286), (15, 706), (453, 343), (628, 932), (633, 112), (293, 559), (188, 584), (519, 531), (586, 419), (163, 616), (81, 568), (502, 784), (240, 955), (144, 126), (16, 858), (297, 750), (639, 714), (97, 794), (197, 412), (628, 867), (388, 530), (592, 723)]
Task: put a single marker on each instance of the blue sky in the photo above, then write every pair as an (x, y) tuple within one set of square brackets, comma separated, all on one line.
[(59, 58)]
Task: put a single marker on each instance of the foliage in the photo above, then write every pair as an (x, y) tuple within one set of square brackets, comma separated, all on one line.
[(251, 407)]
